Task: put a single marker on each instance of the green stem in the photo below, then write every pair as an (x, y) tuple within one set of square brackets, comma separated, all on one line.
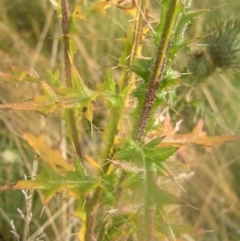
[(149, 206), (102, 230), (116, 113), (67, 63), (140, 22), (126, 79), (113, 126), (91, 215), (158, 70)]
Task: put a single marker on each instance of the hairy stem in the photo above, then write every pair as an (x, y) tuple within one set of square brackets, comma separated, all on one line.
[(91, 215), (68, 76), (148, 209), (66, 45), (158, 70)]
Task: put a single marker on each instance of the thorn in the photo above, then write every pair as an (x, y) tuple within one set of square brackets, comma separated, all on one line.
[(32, 69), (213, 8), (42, 211), (84, 203)]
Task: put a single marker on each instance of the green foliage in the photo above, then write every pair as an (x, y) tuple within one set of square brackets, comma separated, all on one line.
[(50, 182), (117, 186)]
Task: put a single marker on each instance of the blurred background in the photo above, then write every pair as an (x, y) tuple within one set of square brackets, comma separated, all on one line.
[(30, 41)]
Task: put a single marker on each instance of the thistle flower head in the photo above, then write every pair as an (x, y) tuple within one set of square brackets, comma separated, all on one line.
[(224, 45), (222, 51), (200, 64)]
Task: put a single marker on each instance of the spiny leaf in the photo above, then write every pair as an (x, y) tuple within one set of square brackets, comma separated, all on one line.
[(19, 76), (109, 188), (77, 82), (185, 18), (49, 91), (109, 82), (130, 151), (109, 91), (143, 68), (153, 143), (162, 197), (44, 104), (158, 155), (133, 181), (80, 170), (53, 78), (71, 98), (170, 78), (119, 228), (128, 166), (41, 104), (79, 95), (165, 7), (51, 183)]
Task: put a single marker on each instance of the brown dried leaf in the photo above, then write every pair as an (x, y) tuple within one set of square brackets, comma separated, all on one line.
[(197, 137)]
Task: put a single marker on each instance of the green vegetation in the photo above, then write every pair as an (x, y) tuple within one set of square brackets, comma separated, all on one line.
[(106, 133)]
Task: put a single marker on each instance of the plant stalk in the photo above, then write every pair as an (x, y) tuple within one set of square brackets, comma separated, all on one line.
[(141, 20), (68, 77), (131, 49), (66, 45), (157, 71)]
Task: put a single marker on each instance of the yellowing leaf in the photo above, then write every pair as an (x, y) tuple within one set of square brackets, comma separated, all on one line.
[(17, 77), (130, 10), (51, 183), (49, 91), (101, 6), (40, 104), (77, 13), (92, 162), (49, 155)]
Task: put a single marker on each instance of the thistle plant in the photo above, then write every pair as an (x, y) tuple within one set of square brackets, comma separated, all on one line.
[(119, 197), (222, 50)]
